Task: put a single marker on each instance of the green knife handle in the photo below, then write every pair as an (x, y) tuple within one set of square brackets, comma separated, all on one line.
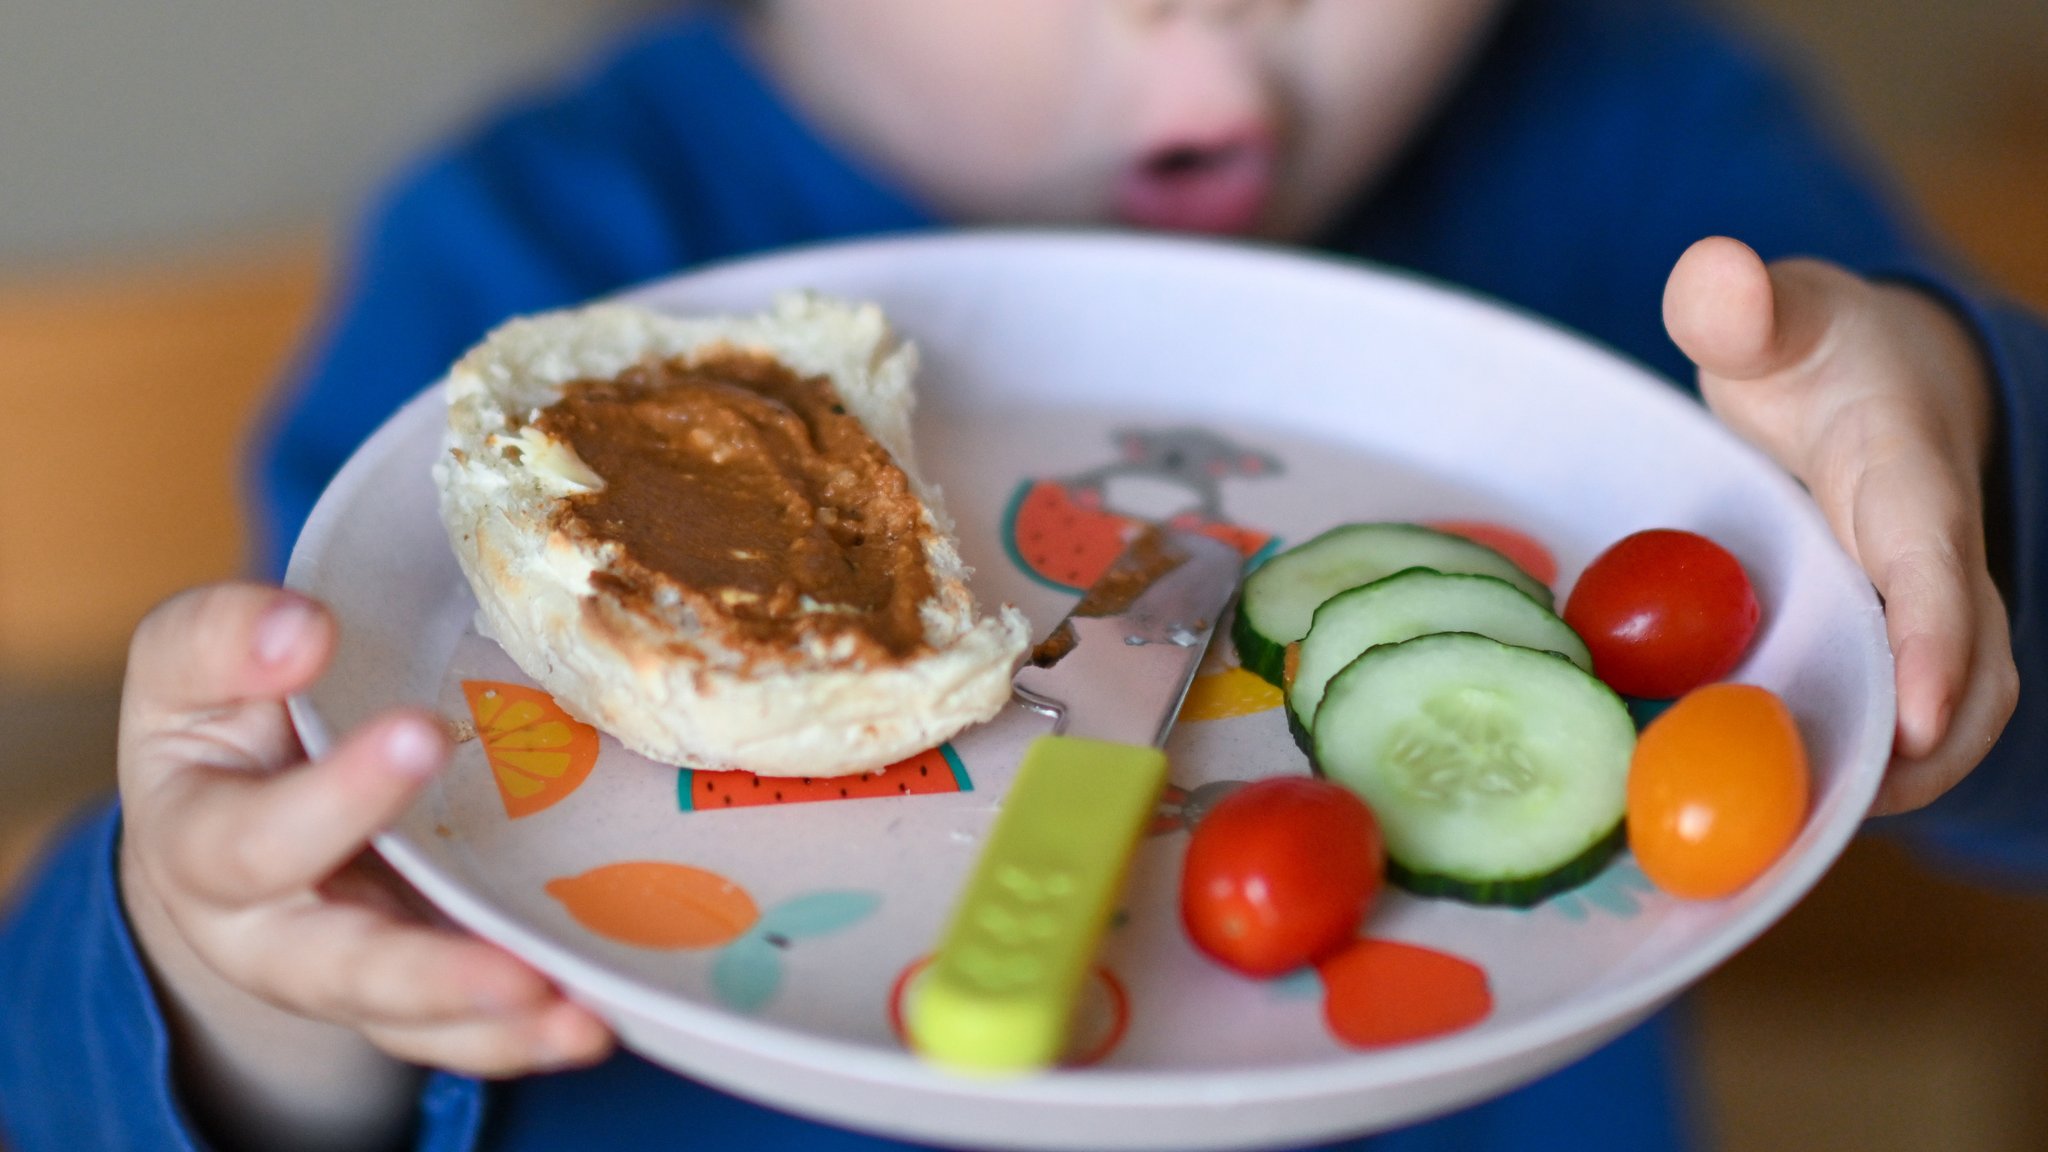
[(998, 995)]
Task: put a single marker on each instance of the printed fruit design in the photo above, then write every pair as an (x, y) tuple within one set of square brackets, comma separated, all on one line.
[(1528, 553), (661, 905), (935, 770), (655, 904), (1102, 1014), (1378, 993), (1230, 693), (537, 753), (1064, 531), (1064, 537)]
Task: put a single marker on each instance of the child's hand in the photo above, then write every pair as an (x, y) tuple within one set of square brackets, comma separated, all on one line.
[(1874, 396), (245, 873)]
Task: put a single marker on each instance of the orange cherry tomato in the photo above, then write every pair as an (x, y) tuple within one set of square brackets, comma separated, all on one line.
[(1717, 790), (1280, 873)]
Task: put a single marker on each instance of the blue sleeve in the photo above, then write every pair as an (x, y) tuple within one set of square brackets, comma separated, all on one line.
[(1595, 140), (1994, 824), (85, 1059)]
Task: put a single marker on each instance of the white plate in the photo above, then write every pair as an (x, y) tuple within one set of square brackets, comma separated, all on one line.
[(758, 948)]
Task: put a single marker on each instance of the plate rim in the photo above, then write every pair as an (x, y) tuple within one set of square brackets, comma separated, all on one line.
[(1347, 1071)]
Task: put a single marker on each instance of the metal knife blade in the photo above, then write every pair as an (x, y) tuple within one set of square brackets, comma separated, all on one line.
[(1118, 667)]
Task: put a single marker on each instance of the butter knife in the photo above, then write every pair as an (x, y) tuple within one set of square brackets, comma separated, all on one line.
[(999, 993)]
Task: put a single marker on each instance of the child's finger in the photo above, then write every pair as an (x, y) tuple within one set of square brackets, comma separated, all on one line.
[(235, 838), (218, 646), (1987, 704), (1913, 531), (352, 965), (1740, 320), (563, 1035), (1761, 338)]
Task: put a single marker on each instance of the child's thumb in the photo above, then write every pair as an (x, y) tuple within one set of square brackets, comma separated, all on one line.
[(222, 645), (1740, 320), (1761, 336)]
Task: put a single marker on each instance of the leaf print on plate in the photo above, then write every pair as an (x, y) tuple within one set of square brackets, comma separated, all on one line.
[(819, 913), (538, 754), (747, 973), (655, 904), (1620, 891), (1643, 711), (1300, 984)]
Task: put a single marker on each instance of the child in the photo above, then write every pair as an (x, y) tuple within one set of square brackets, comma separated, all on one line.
[(223, 957)]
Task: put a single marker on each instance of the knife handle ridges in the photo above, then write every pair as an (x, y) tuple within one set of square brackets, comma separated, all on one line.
[(998, 994)]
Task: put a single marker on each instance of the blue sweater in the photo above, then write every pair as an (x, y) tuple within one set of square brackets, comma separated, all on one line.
[(1594, 140)]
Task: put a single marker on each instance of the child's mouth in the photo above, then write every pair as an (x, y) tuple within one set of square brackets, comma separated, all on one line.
[(1187, 188)]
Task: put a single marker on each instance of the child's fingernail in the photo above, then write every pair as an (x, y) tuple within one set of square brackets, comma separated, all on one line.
[(412, 749), (1921, 726), (562, 1042), (1931, 737), (282, 628)]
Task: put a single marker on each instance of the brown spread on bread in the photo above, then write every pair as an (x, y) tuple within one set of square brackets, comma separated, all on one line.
[(749, 493)]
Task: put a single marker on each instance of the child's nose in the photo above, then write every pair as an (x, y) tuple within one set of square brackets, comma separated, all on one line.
[(1203, 84)]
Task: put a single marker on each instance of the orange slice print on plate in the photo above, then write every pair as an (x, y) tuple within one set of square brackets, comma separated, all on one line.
[(1231, 692), (655, 904), (537, 753)]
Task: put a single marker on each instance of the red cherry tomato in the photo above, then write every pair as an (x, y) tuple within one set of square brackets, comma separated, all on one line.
[(1279, 874), (1716, 791), (1663, 612)]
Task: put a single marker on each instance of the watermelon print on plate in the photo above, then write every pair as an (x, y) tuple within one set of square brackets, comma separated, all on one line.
[(932, 771), (1065, 531)]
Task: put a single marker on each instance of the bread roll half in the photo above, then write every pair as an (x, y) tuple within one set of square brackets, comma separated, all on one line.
[(652, 661)]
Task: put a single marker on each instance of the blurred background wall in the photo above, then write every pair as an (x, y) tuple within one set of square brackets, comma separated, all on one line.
[(155, 125), (171, 172)]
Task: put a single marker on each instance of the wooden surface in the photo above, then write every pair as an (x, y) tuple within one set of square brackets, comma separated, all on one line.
[(128, 394)]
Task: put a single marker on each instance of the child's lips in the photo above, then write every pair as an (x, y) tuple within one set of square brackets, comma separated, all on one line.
[(1222, 190)]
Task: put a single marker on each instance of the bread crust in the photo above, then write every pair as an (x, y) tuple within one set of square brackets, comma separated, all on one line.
[(660, 683)]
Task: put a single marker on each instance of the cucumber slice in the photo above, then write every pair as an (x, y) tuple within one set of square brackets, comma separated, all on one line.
[(1416, 602), (1282, 595), (1499, 774)]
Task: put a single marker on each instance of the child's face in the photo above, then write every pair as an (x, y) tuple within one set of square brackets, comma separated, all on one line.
[(1234, 116)]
